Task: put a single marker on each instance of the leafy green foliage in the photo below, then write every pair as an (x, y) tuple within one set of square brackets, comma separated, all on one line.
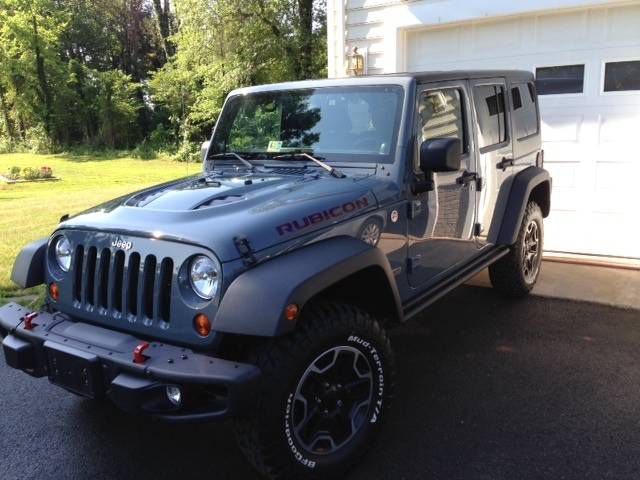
[(120, 73)]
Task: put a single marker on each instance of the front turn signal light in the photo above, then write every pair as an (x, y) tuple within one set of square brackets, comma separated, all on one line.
[(291, 312), (54, 291), (202, 325)]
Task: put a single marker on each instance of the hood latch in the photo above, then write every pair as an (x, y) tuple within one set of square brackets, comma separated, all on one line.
[(245, 250)]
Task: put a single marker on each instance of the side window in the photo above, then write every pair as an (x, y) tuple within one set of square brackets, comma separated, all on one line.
[(492, 119), (441, 114), (525, 112)]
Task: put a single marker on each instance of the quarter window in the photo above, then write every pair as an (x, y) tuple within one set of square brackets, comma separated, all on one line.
[(492, 119), (560, 80), (441, 114), (525, 112), (622, 76)]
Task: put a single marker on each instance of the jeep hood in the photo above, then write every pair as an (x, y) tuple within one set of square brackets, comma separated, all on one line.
[(210, 210)]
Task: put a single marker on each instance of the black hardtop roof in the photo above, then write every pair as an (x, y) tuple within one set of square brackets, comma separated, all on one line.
[(389, 79), (443, 75)]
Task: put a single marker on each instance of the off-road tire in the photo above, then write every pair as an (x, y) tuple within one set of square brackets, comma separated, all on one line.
[(265, 433), (508, 275)]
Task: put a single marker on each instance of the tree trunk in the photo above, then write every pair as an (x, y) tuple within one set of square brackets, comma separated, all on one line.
[(5, 115), (42, 79), (162, 15), (305, 38)]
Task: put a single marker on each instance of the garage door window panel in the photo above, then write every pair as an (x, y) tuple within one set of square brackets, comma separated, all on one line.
[(525, 112), (491, 113), (622, 76), (560, 80)]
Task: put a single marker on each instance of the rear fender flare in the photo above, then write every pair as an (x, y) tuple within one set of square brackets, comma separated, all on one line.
[(255, 302), (530, 180)]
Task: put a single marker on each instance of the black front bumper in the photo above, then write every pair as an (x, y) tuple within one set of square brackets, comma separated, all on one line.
[(96, 362)]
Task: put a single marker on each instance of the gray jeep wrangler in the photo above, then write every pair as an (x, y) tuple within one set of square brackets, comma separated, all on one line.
[(262, 288)]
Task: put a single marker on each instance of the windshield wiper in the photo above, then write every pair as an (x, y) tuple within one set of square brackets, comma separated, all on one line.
[(244, 161), (334, 172)]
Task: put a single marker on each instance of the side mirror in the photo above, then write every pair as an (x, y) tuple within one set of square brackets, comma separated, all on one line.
[(204, 148), (440, 155)]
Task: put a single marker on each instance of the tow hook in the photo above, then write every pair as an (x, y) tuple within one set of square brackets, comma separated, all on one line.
[(138, 353), (28, 320)]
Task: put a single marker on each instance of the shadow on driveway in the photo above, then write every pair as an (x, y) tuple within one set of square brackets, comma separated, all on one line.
[(487, 389)]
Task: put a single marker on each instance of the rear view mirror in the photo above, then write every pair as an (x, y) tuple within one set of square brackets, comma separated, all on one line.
[(204, 148), (441, 155)]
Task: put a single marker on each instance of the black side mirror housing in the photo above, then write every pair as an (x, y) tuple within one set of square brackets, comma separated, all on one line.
[(440, 155)]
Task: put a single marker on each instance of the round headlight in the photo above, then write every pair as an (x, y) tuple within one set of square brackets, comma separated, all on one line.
[(204, 275), (63, 253)]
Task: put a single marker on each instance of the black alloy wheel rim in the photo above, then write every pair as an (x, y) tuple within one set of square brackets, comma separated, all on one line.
[(531, 252), (332, 400)]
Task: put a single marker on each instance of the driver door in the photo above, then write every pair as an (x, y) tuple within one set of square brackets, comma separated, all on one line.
[(441, 223)]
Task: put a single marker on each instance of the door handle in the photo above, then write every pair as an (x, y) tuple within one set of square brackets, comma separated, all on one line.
[(504, 163), (467, 177)]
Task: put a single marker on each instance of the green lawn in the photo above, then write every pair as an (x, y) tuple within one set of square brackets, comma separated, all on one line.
[(30, 211)]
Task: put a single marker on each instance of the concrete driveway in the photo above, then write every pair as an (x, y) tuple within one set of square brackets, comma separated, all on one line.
[(487, 389)]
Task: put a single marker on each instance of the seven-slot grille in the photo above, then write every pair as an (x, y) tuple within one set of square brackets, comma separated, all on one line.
[(123, 284)]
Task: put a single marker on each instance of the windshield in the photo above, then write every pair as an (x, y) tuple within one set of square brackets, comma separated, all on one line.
[(339, 124)]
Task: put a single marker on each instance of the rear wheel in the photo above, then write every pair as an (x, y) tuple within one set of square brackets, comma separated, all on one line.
[(325, 390), (516, 273)]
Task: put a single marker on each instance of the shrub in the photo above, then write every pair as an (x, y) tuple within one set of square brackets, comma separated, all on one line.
[(14, 173), (30, 173)]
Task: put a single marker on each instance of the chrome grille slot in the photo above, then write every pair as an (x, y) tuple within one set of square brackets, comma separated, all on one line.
[(133, 270), (77, 277), (121, 285), (164, 292), (148, 284), (117, 281), (90, 276), (102, 279)]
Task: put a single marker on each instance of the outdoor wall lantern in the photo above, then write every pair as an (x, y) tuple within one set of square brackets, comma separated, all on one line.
[(355, 63)]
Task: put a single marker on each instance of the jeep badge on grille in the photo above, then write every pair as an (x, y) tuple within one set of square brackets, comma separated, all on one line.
[(119, 243)]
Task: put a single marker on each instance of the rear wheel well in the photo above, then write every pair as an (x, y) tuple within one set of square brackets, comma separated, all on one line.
[(541, 194), (368, 289)]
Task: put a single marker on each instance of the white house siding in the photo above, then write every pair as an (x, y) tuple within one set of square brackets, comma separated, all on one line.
[(589, 138)]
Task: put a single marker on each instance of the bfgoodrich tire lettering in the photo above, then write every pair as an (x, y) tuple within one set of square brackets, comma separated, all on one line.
[(330, 337)]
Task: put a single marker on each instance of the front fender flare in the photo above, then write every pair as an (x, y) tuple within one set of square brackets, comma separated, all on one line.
[(254, 303), (28, 268)]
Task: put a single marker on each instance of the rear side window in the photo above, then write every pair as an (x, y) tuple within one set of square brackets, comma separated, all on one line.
[(525, 112), (492, 119), (441, 114), (622, 76), (560, 80)]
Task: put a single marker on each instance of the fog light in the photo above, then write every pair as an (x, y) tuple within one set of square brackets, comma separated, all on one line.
[(202, 325), (174, 395), (54, 291)]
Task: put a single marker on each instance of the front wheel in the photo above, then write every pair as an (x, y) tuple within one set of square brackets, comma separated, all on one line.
[(325, 391), (516, 273)]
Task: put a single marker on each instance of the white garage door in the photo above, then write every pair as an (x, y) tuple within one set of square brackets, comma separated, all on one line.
[(588, 65)]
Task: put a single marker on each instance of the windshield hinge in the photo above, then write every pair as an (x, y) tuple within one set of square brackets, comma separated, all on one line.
[(245, 250)]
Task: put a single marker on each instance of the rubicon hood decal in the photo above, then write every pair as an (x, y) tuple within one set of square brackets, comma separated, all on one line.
[(334, 212)]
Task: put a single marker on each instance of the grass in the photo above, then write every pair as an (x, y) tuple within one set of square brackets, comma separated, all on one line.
[(29, 211)]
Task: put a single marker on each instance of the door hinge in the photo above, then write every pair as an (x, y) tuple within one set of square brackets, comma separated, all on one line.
[(468, 177), (415, 207), (412, 263)]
